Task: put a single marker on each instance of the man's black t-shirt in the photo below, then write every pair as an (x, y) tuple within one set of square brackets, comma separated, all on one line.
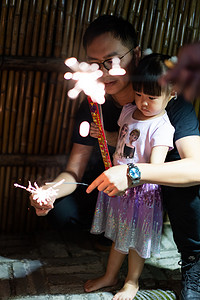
[(111, 112), (183, 117)]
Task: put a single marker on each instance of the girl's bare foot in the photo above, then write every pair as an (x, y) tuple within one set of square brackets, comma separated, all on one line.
[(98, 283), (128, 292)]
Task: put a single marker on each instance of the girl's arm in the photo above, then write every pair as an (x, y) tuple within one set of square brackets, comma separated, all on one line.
[(158, 154)]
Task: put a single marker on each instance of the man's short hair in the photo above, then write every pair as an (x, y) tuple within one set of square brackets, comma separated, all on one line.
[(120, 29)]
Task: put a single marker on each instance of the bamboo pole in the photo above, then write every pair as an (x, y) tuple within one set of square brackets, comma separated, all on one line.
[(36, 29), (132, 12), (2, 103), (19, 121), (53, 127), (8, 40), (13, 113), (50, 32), (190, 22), (34, 112), (168, 29), (44, 26), (96, 9), (112, 6), (23, 26), (8, 105), (179, 25), (3, 24), (2, 187), (13, 208), (125, 9), (27, 113), (67, 29), (6, 199), (173, 40), (156, 25), (30, 27), (119, 8), (47, 117), (16, 24), (41, 113), (142, 21), (59, 29), (66, 102), (105, 6), (148, 26), (194, 37), (79, 26)]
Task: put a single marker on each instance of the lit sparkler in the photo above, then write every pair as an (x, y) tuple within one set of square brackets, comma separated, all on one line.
[(87, 80), (86, 77), (40, 195)]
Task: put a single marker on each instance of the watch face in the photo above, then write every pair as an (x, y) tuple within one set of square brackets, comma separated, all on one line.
[(134, 173)]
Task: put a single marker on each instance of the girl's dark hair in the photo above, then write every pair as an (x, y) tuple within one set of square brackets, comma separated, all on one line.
[(146, 74), (117, 26)]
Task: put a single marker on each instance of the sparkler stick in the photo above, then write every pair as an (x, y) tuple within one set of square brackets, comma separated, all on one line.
[(81, 183), (95, 112), (86, 77)]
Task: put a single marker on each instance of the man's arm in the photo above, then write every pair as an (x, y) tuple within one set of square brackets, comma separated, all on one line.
[(184, 172), (180, 173)]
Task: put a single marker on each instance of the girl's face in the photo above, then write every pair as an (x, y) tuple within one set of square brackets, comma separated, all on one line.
[(150, 106)]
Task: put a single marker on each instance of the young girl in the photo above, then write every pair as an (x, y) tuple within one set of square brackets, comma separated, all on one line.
[(133, 221)]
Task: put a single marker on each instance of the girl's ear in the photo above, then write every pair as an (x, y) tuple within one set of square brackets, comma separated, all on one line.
[(173, 94), (137, 52)]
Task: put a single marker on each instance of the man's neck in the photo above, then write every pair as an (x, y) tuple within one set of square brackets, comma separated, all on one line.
[(125, 96)]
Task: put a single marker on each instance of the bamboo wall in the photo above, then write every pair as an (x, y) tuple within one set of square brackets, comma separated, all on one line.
[(36, 116)]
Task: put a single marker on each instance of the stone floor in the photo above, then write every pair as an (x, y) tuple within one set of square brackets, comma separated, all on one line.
[(45, 265)]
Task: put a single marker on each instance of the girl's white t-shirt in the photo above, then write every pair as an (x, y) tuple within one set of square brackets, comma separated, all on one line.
[(137, 138)]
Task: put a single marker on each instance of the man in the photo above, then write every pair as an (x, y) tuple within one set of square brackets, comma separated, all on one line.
[(101, 45)]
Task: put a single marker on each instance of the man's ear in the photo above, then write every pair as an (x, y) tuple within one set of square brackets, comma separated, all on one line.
[(137, 52)]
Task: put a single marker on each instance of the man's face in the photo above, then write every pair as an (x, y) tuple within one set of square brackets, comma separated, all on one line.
[(105, 47)]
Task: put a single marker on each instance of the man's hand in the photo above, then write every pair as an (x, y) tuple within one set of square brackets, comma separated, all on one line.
[(41, 210), (94, 130), (113, 181)]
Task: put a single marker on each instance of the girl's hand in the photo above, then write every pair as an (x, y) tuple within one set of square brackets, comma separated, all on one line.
[(94, 130), (113, 181)]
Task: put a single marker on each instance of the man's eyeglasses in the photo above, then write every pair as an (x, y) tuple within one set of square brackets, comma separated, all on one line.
[(107, 63)]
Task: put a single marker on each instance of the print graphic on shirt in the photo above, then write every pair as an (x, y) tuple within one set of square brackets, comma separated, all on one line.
[(129, 148), (121, 139)]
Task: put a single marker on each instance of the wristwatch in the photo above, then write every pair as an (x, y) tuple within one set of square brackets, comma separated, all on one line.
[(133, 173)]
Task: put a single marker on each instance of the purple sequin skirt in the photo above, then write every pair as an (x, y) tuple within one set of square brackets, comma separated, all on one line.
[(132, 221)]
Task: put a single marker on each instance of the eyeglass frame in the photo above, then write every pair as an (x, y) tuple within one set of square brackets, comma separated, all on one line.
[(103, 63)]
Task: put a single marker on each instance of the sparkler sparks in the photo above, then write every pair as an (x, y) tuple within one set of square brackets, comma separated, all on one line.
[(87, 78), (40, 195), (116, 69), (84, 129)]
